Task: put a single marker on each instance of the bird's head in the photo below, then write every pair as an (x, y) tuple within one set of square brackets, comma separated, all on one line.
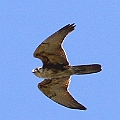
[(37, 72)]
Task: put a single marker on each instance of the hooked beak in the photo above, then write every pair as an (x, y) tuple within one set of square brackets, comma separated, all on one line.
[(34, 70)]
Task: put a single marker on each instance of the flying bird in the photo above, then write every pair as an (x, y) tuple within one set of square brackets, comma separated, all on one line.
[(57, 71)]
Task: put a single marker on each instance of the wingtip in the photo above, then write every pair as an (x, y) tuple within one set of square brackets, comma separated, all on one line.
[(82, 107), (72, 25)]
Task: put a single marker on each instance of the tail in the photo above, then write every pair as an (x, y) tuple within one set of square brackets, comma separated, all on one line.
[(86, 69)]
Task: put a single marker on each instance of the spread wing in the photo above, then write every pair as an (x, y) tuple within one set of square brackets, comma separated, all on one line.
[(50, 50), (56, 89)]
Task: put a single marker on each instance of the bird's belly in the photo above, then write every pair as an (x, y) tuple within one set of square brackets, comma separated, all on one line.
[(53, 73)]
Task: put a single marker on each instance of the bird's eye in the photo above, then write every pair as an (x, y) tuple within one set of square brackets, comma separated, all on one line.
[(36, 69), (39, 68)]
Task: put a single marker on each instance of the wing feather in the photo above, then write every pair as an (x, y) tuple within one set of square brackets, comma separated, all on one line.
[(50, 50), (56, 89)]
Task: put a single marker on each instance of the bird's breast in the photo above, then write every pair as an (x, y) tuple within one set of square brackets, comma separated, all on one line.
[(52, 73)]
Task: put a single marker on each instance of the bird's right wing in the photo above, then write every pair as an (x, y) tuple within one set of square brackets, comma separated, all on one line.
[(56, 89), (50, 50)]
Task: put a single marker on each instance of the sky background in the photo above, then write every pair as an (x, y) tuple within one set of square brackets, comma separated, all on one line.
[(24, 24)]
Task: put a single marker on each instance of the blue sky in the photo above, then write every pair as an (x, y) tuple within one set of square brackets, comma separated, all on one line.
[(24, 24)]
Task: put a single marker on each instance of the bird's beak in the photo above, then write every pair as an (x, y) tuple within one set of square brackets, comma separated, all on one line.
[(34, 70)]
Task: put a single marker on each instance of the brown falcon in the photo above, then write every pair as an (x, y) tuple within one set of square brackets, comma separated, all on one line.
[(56, 69)]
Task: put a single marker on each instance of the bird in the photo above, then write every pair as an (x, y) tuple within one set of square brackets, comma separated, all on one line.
[(57, 71)]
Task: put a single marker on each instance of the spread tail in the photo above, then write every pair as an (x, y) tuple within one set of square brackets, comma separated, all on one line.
[(86, 69)]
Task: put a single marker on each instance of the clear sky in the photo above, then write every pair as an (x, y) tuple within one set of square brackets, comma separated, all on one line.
[(24, 24)]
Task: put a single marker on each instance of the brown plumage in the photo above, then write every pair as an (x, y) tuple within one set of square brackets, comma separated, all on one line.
[(57, 71)]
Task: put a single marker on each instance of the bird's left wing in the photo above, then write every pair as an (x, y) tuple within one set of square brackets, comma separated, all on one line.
[(56, 89), (50, 50)]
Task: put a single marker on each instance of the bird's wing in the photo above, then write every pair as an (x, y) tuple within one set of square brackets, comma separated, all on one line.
[(56, 89), (50, 50)]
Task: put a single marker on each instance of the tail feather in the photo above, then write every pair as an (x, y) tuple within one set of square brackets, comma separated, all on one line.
[(86, 69)]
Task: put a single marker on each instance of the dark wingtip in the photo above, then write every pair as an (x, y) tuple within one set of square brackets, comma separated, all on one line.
[(83, 108), (79, 106), (72, 26)]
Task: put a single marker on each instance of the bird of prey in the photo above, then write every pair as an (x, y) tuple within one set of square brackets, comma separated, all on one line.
[(57, 71)]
